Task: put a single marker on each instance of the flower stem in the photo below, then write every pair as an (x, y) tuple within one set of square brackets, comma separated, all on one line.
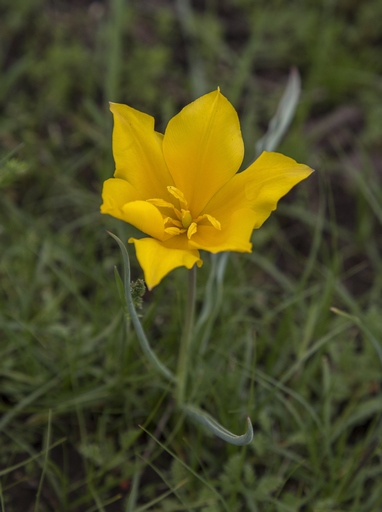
[(186, 341), (125, 287)]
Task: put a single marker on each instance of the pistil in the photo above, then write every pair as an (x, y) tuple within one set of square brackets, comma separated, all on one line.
[(186, 218)]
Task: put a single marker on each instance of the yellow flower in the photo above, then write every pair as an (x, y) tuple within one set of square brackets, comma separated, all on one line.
[(182, 188)]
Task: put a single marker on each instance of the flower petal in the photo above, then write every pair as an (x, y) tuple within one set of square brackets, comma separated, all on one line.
[(146, 217), (157, 259), (203, 148), (115, 194), (259, 187), (137, 151), (235, 235)]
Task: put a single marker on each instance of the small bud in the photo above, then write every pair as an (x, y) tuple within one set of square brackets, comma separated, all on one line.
[(138, 289)]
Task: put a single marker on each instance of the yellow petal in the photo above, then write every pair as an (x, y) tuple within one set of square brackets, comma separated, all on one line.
[(259, 187), (146, 217), (157, 259), (137, 151), (234, 235), (203, 148), (115, 194)]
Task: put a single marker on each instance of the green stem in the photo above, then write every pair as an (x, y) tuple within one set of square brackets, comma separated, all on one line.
[(126, 288), (186, 341)]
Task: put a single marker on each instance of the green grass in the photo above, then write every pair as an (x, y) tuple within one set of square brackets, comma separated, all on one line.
[(86, 424)]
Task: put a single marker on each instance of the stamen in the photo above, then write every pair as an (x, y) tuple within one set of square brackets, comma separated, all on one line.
[(178, 194), (174, 231), (214, 222), (178, 214), (167, 220), (160, 203), (192, 230)]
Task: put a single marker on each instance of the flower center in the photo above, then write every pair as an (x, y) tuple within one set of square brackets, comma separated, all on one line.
[(181, 220)]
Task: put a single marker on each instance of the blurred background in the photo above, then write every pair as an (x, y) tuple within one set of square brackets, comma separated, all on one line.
[(86, 424)]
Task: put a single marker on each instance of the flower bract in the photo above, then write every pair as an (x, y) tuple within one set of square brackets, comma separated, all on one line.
[(183, 190)]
